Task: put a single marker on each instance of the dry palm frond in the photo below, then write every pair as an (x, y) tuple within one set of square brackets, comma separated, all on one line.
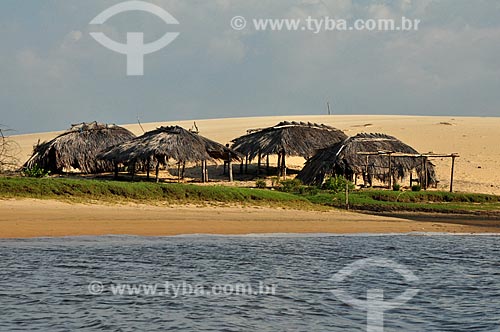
[(344, 159), (166, 143), (78, 147), (291, 138)]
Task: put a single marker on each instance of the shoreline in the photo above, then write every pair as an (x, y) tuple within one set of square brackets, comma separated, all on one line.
[(30, 218)]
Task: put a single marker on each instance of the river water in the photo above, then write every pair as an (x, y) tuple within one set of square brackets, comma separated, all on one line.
[(68, 284)]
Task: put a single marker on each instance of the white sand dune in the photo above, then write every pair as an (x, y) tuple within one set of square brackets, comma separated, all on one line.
[(476, 139)]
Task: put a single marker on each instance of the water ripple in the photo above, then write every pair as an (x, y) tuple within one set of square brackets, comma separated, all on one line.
[(43, 283)]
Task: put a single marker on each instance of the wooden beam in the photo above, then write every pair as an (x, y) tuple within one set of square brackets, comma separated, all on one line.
[(410, 155)]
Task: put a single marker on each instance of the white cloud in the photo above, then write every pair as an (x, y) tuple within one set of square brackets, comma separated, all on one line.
[(454, 50)]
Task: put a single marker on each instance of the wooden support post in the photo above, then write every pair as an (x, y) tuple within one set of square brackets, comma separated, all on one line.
[(259, 161), (157, 171), (347, 195), (116, 170), (452, 172), (206, 171), (178, 172), (365, 177), (390, 171), (203, 169), (426, 182), (279, 165), (422, 176), (241, 167), (283, 165), (230, 167), (133, 170), (183, 169), (147, 169), (267, 164), (246, 164)]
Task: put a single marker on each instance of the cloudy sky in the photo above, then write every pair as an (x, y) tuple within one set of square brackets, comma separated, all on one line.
[(54, 73)]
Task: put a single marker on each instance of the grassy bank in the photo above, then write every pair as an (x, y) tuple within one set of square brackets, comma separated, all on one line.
[(84, 190), (423, 201), (114, 191)]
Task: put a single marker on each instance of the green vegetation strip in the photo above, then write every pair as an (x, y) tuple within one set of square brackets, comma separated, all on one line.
[(423, 201), (300, 197), (115, 191)]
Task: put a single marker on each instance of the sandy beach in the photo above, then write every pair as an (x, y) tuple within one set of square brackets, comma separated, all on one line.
[(43, 218)]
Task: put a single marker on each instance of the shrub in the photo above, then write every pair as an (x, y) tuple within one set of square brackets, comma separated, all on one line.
[(416, 187), (308, 190), (290, 186), (275, 181), (337, 184), (35, 172), (396, 187), (261, 184)]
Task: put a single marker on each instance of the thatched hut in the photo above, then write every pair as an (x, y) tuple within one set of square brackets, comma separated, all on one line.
[(372, 156), (77, 148), (169, 143), (287, 139)]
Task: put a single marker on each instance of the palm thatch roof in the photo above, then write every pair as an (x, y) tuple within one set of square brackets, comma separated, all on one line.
[(345, 159), (78, 147), (166, 143), (291, 138)]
